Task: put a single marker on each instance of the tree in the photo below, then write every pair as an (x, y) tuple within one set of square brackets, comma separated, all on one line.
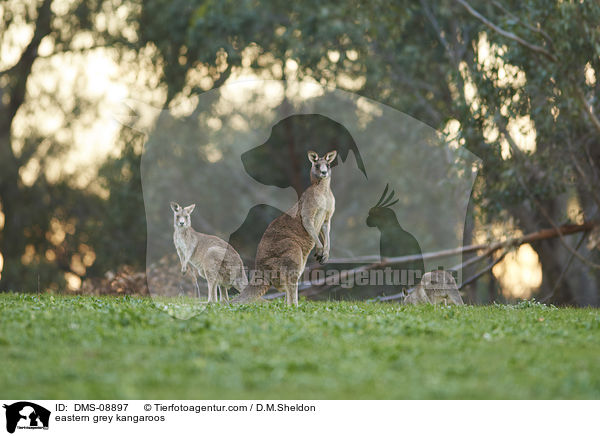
[(524, 71), (41, 215)]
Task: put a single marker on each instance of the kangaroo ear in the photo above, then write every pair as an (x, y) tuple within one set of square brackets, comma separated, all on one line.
[(175, 206), (313, 156), (190, 208), (330, 157)]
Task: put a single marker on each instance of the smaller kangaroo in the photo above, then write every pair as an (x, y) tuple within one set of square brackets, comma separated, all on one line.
[(213, 258), (284, 247), (436, 287)]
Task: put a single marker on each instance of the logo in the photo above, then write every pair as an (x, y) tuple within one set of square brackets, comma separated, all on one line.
[(26, 415)]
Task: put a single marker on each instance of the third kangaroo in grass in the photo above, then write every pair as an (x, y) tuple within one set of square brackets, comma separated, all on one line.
[(213, 258), (284, 247), (436, 287)]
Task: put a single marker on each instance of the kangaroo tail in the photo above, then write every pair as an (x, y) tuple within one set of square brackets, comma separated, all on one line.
[(251, 293)]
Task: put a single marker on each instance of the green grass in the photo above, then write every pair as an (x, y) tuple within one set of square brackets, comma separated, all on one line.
[(90, 347)]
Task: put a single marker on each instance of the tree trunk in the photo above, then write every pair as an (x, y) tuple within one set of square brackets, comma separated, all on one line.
[(12, 238), (12, 243)]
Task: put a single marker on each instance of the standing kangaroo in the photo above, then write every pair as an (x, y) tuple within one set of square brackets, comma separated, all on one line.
[(284, 247), (213, 258)]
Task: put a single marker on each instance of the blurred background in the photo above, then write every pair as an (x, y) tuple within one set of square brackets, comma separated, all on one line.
[(513, 82)]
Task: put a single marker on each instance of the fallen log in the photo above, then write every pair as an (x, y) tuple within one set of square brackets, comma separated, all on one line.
[(308, 289)]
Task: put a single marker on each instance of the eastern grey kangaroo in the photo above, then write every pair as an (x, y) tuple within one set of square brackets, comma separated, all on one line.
[(213, 258), (284, 248), (436, 287)]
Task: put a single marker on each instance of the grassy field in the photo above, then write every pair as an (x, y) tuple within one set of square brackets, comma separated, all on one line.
[(89, 347)]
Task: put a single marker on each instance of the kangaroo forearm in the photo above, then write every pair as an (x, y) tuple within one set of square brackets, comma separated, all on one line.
[(181, 258), (325, 236), (308, 225), (325, 241), (315, 237)]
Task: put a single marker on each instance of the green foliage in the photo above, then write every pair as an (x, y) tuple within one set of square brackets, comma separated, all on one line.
[(120, 236), (88, 347), (419, 59)]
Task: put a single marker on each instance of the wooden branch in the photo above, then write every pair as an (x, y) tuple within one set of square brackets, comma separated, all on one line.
[(531, 237), (398, 296), (483, 271), (560, 234), (8, 70), (586, 108), (529, 26), (565, 269), (509, 35), (22, 69), (305, 287), (16, 91), (401, 295), (588, 184), (516, 151), (223, 77), (555, 227), (591, 162), (475, 259), (439, 32)]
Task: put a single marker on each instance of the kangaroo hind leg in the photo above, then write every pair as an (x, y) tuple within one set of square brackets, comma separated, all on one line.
[(224, 293), (292, 265), (193, 272), (212, 292)]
